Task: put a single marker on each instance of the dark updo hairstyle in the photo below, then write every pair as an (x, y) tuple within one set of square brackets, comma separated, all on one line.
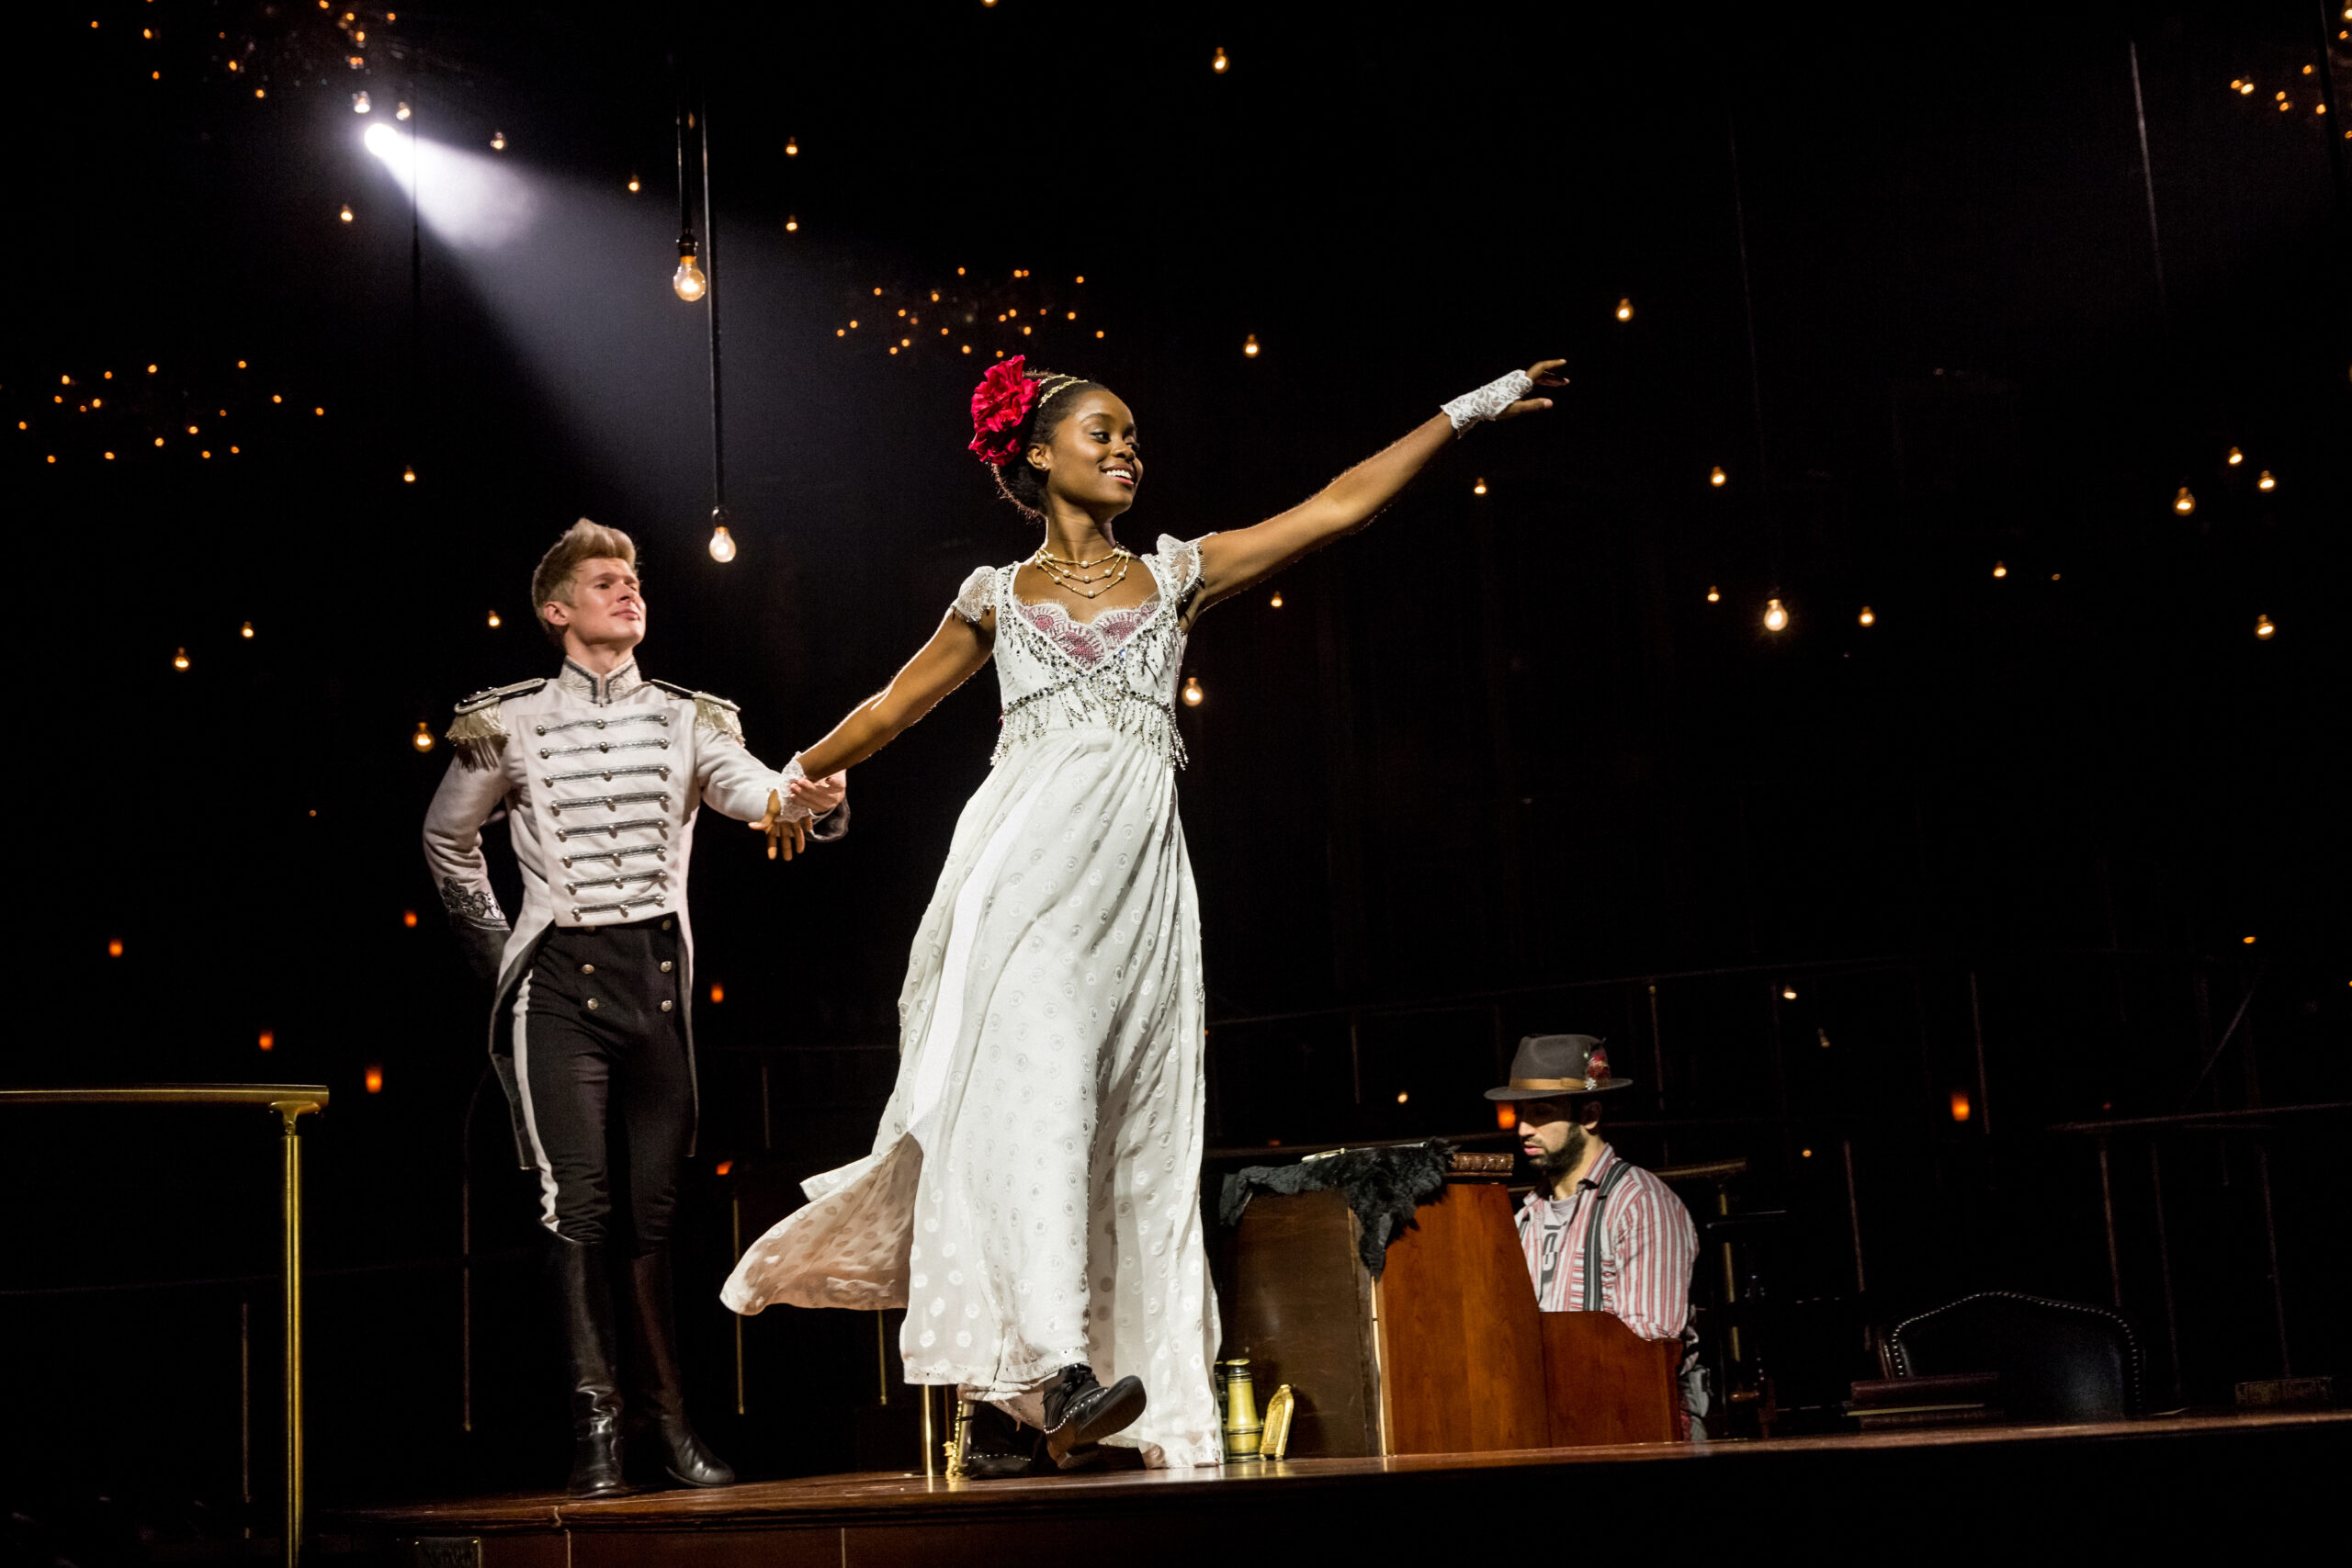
[(1015, 480)]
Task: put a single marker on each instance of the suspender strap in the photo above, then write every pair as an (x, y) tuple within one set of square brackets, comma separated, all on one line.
[(1592, 1235)]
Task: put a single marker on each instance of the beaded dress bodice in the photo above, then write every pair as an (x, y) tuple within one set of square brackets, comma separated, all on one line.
[(1116, 672)]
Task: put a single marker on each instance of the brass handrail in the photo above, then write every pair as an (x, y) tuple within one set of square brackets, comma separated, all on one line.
[(290, 1101)]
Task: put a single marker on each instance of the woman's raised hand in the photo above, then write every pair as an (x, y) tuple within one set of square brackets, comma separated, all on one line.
[(1543, 372)]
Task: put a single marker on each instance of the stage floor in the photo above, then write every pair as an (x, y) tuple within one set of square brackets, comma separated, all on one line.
[(2158, 1483)]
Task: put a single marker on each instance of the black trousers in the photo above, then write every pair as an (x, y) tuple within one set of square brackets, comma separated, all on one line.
[(608, 1089)]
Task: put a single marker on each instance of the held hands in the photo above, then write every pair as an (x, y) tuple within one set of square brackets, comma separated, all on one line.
[(1543, 372), (788, 837)]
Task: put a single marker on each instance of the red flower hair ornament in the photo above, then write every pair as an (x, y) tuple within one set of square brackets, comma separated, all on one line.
[(1000, 403)]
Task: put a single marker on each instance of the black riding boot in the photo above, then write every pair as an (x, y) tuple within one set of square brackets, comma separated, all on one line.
[(584, 1300), (1079, 1412), (657, 1406)]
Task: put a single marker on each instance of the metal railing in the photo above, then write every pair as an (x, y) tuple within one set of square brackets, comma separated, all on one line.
[(292, 1102)]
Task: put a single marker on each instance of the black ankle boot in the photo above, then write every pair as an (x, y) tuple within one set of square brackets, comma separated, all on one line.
[(995, 1444), (659, 1436), (1081, 1412), (584, 1301)]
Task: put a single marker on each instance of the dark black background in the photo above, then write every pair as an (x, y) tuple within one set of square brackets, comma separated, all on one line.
[(1496, 766)]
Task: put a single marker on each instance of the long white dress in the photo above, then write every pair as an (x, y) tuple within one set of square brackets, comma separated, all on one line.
[(1034, 1192)]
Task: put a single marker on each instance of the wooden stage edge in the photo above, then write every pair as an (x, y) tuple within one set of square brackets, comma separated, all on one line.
[(2159, 1480)]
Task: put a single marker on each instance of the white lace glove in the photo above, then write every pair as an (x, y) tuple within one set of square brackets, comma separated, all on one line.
[(794, 810), (1488, 401)]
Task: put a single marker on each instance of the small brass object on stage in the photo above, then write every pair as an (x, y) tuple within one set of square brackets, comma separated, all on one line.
[(1275, 1443), (959, 1438), (1242, 1431)]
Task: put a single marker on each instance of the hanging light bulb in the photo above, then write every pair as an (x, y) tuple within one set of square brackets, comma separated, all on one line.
[(493, 620), (1250, 346), (633, 185), (791, 224), (498, 141), (402, 112), (246, 630), (792, 147), (1218, 63), (1277, 600), (1714, 595), (1716, 475), (423, 739), (2184, 503), (688, 280), (1193, 691), (1624, 309), (2236, 456), (1775, 618), (1866, 617), (408, 475), (1479, 489), (347, 212), (722, 543), (2266, 481), (1999, 570), (179, 659), (359, 103), (2262, 630)]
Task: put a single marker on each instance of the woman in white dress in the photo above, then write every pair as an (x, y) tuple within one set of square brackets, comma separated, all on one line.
[(1033, 1196)]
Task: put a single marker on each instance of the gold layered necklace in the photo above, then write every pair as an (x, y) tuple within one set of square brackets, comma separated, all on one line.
[(1079, 577)]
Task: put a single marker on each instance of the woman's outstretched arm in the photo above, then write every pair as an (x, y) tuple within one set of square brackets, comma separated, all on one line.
[(1231, 561), (953, 656)]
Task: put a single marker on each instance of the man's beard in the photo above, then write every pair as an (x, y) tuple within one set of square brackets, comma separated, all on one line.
[(1557, 1163)]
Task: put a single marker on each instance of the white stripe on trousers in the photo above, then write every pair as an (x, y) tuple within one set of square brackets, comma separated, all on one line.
[(531, 1123)]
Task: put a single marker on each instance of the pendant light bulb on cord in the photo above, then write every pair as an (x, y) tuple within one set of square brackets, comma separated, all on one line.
[(722, 543), (688, 281)]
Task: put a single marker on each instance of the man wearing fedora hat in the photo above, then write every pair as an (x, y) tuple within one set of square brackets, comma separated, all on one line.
[(1601, 1234)]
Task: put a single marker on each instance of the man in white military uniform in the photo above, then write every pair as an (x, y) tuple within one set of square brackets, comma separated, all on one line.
[(602, 774)]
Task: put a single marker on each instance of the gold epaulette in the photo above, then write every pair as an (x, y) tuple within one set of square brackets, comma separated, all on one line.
[(716, 713), (478, 731)]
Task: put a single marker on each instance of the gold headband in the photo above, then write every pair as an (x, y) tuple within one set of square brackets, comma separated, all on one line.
[(1048, 386)]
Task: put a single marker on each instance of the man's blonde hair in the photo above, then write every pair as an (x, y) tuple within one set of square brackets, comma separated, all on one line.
[(584, 541)]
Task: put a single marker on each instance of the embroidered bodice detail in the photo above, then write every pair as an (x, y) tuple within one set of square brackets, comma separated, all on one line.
[(1117, 671), (1088, 642)]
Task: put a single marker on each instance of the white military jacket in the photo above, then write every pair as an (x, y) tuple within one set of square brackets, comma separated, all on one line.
[(602, 779)]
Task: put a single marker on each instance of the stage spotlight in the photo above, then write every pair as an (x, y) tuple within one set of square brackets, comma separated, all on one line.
[(1775, 618), (380, 139)]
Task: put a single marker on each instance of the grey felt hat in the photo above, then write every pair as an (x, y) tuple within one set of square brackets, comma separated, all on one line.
[(1549, 1066)]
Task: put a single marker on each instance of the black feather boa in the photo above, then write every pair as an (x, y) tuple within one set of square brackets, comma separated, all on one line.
[(1383, 1186)]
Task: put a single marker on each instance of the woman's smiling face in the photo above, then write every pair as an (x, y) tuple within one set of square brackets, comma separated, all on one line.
[(1092, 459)]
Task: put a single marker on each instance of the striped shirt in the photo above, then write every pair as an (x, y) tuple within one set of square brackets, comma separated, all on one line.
[(1647, 1245)]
